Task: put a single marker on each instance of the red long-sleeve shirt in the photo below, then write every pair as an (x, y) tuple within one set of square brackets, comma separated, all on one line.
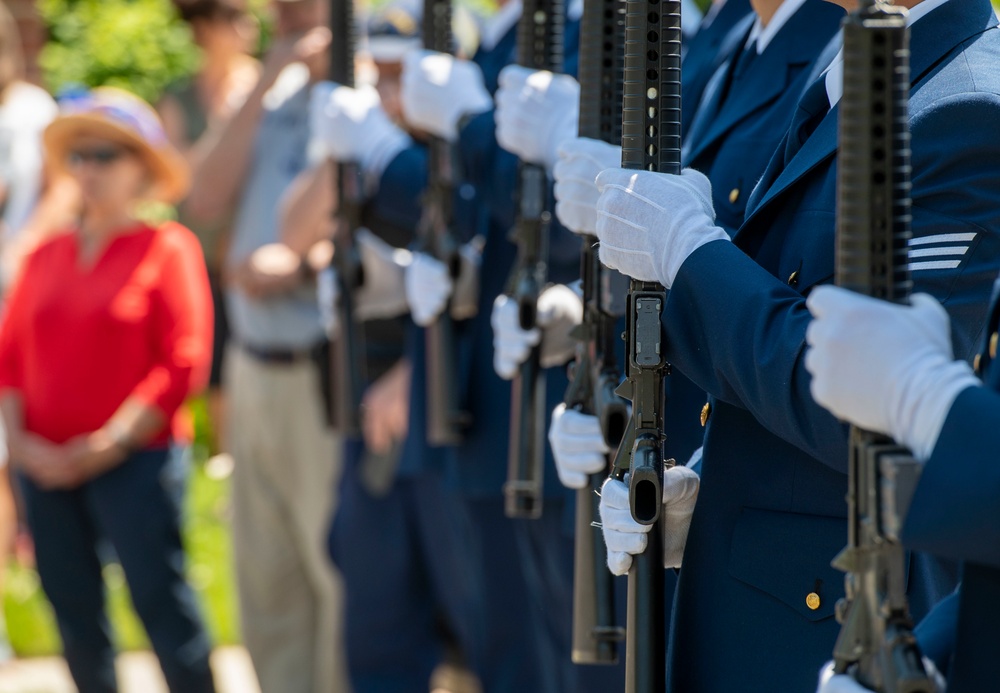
[(77, 341)]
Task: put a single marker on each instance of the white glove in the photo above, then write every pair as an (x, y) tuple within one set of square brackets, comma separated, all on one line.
[(885, 367), (843, 683), (577, 445), (680, 493), (428, 287), (536, 112), (559, 310), (382, 294), (438, 89), (575, 174), (327, 295), (352, 126), (649, 223), (625, 537)]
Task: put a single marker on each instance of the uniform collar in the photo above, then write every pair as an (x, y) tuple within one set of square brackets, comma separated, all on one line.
[(835, 73), (497, 26), (762, 35)]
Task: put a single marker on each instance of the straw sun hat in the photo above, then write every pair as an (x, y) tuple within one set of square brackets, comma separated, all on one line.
[(121, 117)]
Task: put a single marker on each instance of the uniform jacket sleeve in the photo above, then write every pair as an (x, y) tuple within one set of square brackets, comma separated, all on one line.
[(955, 512), (397, 203)]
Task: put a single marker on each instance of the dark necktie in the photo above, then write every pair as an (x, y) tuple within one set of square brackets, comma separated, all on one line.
[(745, 60), (811, 109)]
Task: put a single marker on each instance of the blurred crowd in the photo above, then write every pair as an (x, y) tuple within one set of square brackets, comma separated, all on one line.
[(114, 318)]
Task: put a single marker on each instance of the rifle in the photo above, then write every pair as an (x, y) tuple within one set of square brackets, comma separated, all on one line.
[(651, 140), (539, 46), (595, 373), (876, 642), (445, 419), (345, 352)]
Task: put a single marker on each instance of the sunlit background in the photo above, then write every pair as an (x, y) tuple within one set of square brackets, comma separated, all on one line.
[(139, 45)]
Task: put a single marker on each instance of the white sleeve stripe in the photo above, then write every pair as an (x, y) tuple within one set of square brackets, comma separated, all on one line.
[(932, 252), (934, 264), (944, 238)]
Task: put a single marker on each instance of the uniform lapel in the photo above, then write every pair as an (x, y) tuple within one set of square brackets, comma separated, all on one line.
[(931, 39), (712, 102), (793, 47)]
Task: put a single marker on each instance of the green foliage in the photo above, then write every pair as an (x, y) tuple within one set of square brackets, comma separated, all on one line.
[(138, 45), (31, 624)]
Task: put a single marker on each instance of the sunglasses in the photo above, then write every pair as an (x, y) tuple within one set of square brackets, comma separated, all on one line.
[(102, 156)]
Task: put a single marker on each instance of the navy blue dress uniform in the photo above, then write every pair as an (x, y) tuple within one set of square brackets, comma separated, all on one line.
[(414, 590), (544, 547), (506, 631), (743, 114), (756, 593), (707, 50), (956, 513)]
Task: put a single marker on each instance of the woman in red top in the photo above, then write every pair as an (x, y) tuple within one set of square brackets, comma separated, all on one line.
[(106, 333)]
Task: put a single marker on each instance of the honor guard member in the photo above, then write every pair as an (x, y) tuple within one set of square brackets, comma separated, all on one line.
[(892, 369), (515, 650), (745, 112), (479, 464), (771, 513), (384, 520)]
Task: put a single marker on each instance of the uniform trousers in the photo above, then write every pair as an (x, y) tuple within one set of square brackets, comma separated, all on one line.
[(134, 511), (414, 599), (287, 463), (547, 548)]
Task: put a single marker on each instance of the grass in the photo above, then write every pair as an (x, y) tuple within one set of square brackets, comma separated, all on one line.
[(30, 623)]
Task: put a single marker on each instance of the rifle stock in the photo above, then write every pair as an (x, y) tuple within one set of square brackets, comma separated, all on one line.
[(595, 374), (876, 643), (539, 46), (345, 350)]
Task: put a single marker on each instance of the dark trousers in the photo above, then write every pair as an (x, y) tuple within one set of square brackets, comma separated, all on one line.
[(412, 598), (546, 547), (135, 509)]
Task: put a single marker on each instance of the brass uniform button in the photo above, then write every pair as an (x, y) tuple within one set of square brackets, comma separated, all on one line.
[(812, 601), (734, 195), (993, 344), (706, 411), (793, 278), (975, 362)]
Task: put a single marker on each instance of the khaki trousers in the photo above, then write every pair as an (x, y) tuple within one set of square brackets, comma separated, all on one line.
[(287, 464)]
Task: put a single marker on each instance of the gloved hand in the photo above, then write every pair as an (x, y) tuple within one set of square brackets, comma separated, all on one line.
[(327, 295), (649, 223), (438, 89), (625, 537), (382, 294), (559, 310), (575, 174), (428, 288), (352, 126), (885, 367), (429, 285), (577, 445), (842, 683), (536, 112)]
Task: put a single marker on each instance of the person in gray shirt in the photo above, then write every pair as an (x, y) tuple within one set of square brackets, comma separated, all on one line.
[(287, 459)]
